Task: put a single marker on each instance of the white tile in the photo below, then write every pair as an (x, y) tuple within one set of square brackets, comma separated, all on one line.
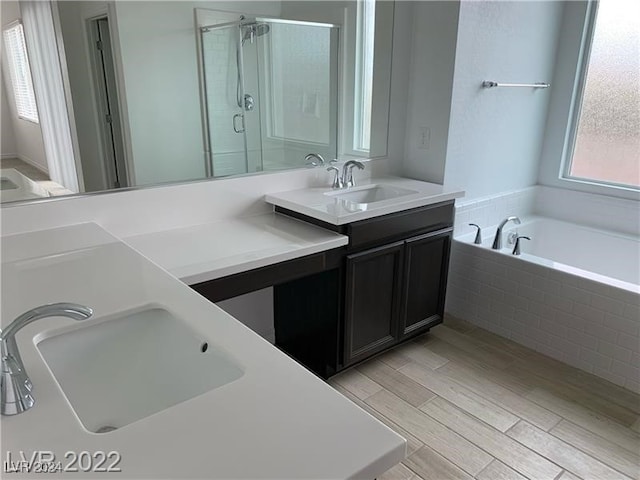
[(632, 311), (572, 322), (612, 377), (623, 295), (490, 292), (607, 304), (519, 276), (531, 293), (550, 351), (561, 303), (504, 284), (630, 342), (602, 332), (578, 295), (583, 339), (593, 286), (564, 346), (614, 351), (547, 285), (504, 308), (588, 313), (596, 359), (626, 370), (528, 318), (542, 310), (552, 327), (622, 324)]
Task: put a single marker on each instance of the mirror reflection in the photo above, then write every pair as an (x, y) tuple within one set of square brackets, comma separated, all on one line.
[(138, 93), (270, 93)]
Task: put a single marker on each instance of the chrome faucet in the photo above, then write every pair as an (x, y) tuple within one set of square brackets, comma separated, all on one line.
[(337, 181), (308, 160), (347, 173), (497, 241), (15, 385)]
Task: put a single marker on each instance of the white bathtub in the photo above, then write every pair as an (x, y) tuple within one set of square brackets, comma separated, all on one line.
[(573, 294), (586, 252), (16, 186)]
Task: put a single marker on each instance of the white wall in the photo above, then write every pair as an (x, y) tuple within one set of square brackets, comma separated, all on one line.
[(28, 135), (496, 135), (160, 64), (433, 52), (7, 140)]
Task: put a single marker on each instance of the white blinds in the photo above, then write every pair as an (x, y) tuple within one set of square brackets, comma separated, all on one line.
[(20, 73)]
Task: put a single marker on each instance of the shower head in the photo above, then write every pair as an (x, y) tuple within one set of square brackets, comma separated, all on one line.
[(252, 30)]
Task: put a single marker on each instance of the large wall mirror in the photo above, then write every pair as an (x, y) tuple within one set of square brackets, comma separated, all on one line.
[(157, 92)]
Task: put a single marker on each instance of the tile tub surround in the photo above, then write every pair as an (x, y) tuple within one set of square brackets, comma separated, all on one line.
[(590, 325), (598, 211)]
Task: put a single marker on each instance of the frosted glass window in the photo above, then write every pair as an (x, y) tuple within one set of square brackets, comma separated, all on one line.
[(607, 142), (20, 73)]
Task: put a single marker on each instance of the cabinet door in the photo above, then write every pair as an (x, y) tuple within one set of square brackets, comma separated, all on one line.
[(426, 263), (373, 281)]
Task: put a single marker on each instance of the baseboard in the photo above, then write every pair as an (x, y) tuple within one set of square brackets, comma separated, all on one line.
[(33, 163), (4, 156)]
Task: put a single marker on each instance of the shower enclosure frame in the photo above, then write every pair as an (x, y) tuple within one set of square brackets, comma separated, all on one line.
[(246, 21)]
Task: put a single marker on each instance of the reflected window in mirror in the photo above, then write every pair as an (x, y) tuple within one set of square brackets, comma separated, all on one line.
[(366, 22), (20, 73)]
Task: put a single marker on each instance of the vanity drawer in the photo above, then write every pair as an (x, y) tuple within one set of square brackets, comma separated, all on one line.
[(399, 225)]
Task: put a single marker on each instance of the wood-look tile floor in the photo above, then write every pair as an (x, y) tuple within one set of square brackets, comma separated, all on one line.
[(472, 404)]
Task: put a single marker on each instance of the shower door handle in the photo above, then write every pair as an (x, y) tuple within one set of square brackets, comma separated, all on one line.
[(235, 124)]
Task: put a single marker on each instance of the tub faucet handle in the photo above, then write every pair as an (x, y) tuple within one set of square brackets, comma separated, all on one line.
[(478, 239), (516, 247)]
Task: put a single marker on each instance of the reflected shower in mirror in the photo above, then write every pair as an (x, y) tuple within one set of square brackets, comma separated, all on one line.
[(147, 96), (270, 93)]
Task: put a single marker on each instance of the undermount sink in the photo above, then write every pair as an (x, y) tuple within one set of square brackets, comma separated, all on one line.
[(133, 365), (371, 193)]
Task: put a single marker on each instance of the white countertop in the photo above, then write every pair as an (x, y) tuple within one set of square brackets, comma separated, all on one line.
[(204, 252), (276, 421), (322, 203)]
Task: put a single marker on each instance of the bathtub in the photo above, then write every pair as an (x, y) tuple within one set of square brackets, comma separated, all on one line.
[(15, 186), (572, 294), (586, 252)]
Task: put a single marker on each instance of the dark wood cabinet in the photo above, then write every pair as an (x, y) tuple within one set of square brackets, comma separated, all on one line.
[(337, 308), (394, 292), (426, 262), (372, 301)]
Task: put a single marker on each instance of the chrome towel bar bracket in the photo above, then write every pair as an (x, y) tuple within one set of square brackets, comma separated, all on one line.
[(491, 84)]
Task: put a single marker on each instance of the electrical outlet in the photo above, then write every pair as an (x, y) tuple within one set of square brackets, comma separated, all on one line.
[(424, 137)]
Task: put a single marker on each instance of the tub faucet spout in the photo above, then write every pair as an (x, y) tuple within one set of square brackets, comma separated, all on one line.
[(497, 241)]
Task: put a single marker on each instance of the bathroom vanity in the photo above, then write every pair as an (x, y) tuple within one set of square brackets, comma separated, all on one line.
[(337, 307), (205, 396)]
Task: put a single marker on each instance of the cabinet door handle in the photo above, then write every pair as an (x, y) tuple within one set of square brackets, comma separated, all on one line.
[(235, 127)]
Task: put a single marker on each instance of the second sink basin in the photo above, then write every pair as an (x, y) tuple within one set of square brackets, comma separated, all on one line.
[(371, 193), (134, 365)]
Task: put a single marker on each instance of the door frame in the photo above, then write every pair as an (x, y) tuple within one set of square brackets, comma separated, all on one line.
[(111, 164)]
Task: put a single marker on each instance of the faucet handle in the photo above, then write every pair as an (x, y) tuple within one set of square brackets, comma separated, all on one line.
[(337, 181), (478, 239), (516, 248)]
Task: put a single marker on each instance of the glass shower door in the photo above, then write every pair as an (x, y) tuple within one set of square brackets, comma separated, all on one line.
[(223, 84), (297, 64)]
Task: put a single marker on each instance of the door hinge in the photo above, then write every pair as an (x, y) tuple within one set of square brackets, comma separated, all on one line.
[(99, 45), (108, 118)]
